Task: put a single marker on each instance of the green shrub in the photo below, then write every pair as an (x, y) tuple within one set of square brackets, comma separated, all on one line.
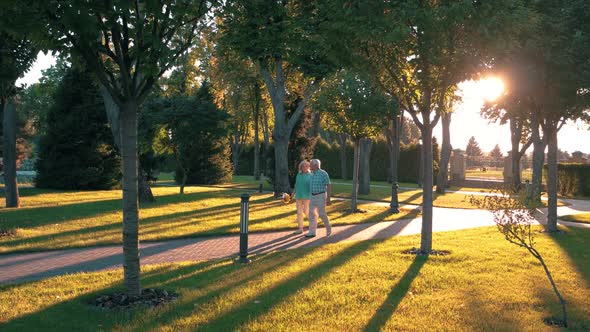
[(77, 150), (573, 179)]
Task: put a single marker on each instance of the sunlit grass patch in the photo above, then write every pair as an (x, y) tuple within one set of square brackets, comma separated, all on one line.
[(53, 219), (485, 284), (582, 217)]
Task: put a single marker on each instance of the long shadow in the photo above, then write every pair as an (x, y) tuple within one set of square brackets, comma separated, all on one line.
[(270, 297), (144, 222), (57, 317), (575, 242), (396, 295), (410, 199), (41, 216)]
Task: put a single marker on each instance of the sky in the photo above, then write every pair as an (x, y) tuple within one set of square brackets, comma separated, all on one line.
[(466, 121)]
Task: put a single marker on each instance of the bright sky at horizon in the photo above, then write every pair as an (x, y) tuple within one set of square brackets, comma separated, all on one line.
[(466, 120)]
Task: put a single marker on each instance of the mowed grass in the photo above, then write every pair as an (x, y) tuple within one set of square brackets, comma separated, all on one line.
[(485, 284), (582, 217), (56, 219)]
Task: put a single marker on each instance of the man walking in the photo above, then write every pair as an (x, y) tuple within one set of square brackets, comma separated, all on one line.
[(321, 190)]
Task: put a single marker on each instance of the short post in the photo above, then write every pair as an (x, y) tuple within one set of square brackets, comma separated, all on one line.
[(260, 188), (244, 229)]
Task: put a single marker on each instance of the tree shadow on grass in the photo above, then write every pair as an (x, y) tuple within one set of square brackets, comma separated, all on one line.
[(396, 295), (572, 240), (200, 284), (276, 294), (41, 216)]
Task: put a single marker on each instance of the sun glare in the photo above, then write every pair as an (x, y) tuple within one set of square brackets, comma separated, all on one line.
[(490, 88)]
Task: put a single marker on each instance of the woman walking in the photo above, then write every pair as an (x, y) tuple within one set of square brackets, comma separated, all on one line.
[(302, 194)]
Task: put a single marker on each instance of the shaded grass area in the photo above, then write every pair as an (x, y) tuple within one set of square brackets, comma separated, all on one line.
[(582, 218), (57, 220), (485, 284)]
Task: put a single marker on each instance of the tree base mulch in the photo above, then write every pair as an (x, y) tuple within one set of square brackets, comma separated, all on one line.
[(149, 298), (554, 322), (419, 252), (7, 232)]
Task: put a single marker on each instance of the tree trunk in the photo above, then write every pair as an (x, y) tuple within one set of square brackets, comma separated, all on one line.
[(266, 140), (235, 154), (364, 166), (342, 138), (314, 130), (427, 183), (445, 155), (393, 146), (515, 137), (552, 179), (114, 117), (538, 160), (131, 265), (281, 183), (355, 175), (9, 155), (256, 132)]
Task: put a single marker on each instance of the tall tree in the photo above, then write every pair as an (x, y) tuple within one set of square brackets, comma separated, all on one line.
[(284, 39), (404, 47), (355, 107), (77, 150), (496, 152), (128, 46), (472, 149), (17, 54)]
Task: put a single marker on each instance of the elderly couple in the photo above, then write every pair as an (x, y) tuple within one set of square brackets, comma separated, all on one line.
[(312, 192)]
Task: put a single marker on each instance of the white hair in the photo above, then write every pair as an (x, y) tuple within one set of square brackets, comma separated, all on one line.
[(316, 162)]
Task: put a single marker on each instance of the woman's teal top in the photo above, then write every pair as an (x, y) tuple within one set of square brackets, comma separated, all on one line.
[(302, 188)]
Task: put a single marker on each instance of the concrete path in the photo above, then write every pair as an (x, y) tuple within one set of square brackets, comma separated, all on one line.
[(16, 268)]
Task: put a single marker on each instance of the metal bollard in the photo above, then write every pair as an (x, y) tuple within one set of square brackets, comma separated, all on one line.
[(244, 229)]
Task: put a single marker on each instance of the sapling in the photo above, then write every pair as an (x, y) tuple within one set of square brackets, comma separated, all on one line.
[(514, 216)]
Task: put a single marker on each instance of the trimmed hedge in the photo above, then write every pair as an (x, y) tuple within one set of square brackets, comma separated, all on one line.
[(573, 179), (329, 154)]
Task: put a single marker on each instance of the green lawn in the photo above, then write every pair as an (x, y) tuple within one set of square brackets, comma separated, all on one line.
[(52, 219), (485, 284), (496, 174), (583, 218)]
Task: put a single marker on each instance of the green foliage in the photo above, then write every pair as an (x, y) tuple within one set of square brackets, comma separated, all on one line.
[(77, 150), (17, 54), (37, 99), (263, 30), (354, 106), (573, 179), (195, 131)]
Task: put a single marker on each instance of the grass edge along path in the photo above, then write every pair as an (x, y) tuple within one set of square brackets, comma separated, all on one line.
[(484, 284)]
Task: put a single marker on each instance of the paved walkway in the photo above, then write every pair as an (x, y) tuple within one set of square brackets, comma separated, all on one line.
[(33, 266)]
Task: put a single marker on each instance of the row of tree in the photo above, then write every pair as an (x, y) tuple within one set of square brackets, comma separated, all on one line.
[(363, 63)]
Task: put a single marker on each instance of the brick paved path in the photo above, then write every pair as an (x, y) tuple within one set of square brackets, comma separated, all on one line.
[(25, 267)]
